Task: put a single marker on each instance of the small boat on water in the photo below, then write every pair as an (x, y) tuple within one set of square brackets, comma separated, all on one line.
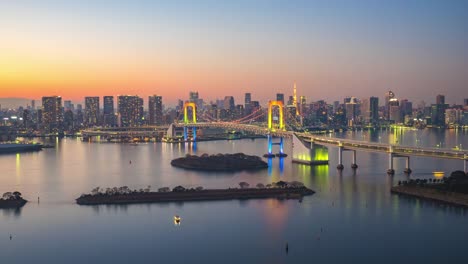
[(177, 220)]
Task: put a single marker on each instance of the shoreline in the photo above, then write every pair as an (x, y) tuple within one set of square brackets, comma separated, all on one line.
[(452, 198), (203, 195), (9, 204)]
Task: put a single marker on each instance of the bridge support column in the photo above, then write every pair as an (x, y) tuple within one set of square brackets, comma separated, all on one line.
[(408, 168), (194, 130), (390, 170), (340, 159), (465, 166), (185, 133), (354, 164), (270, 147)]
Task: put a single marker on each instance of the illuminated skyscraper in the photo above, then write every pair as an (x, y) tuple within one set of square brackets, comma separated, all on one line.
[(388, 96), (130, 108), (52, 113), (155, 110), (91, 111), (295, 99)]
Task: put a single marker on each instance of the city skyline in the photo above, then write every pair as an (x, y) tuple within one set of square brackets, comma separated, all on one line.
[(96, 49)]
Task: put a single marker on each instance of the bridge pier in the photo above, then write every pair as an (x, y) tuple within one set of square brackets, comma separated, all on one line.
[(340, 158), (408, 168), (270, 153), (194, 133), (354, 164), (465, 166), (390, 170)]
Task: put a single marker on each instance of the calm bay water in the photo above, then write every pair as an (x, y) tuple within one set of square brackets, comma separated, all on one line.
[(352, 217)]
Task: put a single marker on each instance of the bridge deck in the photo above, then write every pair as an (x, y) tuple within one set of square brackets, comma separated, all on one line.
[(325, 141)]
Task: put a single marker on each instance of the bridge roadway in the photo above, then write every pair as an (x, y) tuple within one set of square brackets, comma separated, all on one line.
[(347, 144), (116, 132)]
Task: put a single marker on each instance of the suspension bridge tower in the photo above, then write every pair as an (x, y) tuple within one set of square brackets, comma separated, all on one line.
[(187, 122), (272, 127)]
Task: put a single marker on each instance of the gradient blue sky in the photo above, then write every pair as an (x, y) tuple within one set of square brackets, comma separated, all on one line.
[(332, 49)]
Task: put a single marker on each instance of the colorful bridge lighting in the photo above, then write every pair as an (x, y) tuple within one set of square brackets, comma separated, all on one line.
[(280, 106)]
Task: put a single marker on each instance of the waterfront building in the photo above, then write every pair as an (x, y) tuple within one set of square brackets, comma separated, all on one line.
[(394, 112), (130, 108), (52, 116), (91, 111), (352, 111), (155, 110), (374, 110), (109, 113)]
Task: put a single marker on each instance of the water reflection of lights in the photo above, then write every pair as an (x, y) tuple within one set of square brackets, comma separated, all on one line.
[(18, 168), (281, 165), (270, 166)]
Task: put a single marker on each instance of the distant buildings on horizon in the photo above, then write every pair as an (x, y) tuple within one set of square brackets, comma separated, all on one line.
[(56, 115)]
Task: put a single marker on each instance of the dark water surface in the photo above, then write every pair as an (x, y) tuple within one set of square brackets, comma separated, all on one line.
[(352, 217)]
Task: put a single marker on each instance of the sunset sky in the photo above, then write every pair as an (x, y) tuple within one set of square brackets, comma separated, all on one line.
[(332, 49)]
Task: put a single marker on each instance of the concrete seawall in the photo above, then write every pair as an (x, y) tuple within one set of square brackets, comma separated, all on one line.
[(428, 193)]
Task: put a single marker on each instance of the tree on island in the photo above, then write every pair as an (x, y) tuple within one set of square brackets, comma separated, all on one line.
[(260, 186), (244, 185), (282, 184), (12, 196)]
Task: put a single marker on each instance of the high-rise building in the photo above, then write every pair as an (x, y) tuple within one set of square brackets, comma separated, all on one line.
[(440, 99), (67, 104), (247, 103), (193, 97), (394, 113), (388, 96), (280, 97), (302, 104), (374, 109), (438, 111), (52, 113), (109, 113), (352, 110), (465, 102), (130, 108), (91, 111), (295, 99), (229, 103), (406, 107), (155, 110), (33, 104)]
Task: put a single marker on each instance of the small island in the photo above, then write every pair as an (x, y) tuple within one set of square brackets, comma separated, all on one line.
[(220, 162), (12, 200), (451, 190), (124, 195)]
